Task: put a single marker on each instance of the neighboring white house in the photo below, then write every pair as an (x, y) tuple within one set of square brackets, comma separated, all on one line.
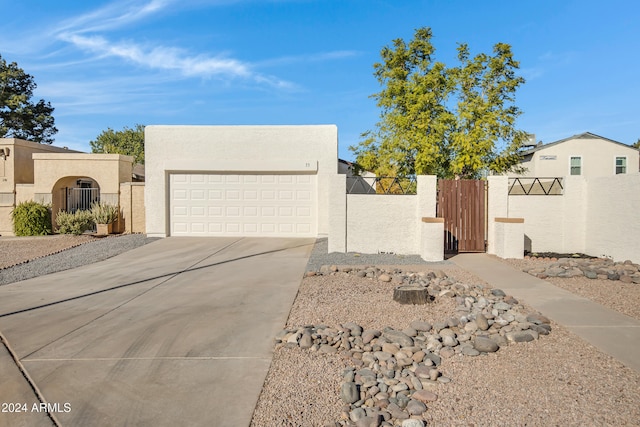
[(586, 155)]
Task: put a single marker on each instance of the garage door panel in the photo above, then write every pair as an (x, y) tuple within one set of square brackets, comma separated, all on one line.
[(215, 195), (285, 195), (250, 211), (303, 212), (236, 205), (303, 195), (197, 195), (285, 211), (180, 211), (251, 228), (197, 211), (197, 227), (268, 195), (233, 211), (268, 211), (215, 211), (215, 228), (232, 227), (180, 194)]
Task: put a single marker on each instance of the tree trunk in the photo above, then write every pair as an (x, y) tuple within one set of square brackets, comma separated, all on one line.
[(411, 295)]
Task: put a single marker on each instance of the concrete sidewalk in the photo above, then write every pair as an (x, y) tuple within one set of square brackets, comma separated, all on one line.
[(610, 331)]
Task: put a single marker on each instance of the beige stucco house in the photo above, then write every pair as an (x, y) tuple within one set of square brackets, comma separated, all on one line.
[(586, 155), (67, 180)]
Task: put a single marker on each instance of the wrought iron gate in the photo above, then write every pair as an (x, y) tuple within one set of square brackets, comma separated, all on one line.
[(76, 199), (462, 204)]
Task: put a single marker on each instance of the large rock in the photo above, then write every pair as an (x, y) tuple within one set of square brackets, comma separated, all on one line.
[(398, 337), (415, 407), (425, 396), (305, 341), (485, 345), (421, 326), (482, 322), (520, 336), (384, 278), (369, 334), (538, 319), (349, 392), (354, 328)]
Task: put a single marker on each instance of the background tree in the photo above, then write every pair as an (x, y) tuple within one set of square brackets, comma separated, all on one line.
[(443, 121), (127, 141), (20, 117), (637, 144)]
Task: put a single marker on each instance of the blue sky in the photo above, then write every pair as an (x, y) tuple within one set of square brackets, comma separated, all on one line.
[(116, 63)]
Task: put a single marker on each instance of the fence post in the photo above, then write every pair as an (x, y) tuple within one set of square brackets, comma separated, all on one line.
[(430, 229), (432, 239), (509, 237), (337, 241), (497, 206)]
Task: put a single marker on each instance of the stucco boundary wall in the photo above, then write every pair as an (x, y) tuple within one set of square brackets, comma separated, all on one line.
[(377, 223), (554, 223), (597, 216), (132, 215), (612, 219)]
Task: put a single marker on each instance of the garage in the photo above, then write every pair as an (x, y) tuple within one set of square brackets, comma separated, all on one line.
[(243, 204), (254, 181)]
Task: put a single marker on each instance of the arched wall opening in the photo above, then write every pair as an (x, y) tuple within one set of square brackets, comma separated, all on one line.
[(73, 193)]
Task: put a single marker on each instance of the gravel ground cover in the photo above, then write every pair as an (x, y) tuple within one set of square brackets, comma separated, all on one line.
[(556, 380), (320, 256), (16, 250), (613, 294), (32, 254)]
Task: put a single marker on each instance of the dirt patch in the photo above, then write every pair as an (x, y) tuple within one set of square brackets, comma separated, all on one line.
[(18, 250)]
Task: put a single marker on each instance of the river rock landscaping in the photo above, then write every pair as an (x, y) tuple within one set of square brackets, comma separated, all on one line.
[(394, 374), (591, 268)]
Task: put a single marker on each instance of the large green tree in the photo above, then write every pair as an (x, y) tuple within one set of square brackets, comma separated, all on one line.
[(20, 117), (127, 141), (447, 121)]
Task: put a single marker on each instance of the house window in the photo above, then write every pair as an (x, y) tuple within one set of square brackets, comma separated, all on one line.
[(621, 165), (576, 165)]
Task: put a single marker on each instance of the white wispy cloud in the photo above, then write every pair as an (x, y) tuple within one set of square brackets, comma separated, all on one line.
[(161, 57), (88, 33), (112, 16)]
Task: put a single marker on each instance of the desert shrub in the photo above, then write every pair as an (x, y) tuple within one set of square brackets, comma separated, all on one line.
[(104, 213), (31, 219), (74, 223)]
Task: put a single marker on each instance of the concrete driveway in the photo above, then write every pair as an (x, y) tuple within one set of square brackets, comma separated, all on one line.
[(177, 332)]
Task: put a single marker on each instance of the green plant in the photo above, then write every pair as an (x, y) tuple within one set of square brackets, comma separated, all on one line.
[(104, 213), (74, 223), (31, 219)]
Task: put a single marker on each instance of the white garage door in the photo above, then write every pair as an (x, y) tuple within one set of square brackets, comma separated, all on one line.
[(243, 205)]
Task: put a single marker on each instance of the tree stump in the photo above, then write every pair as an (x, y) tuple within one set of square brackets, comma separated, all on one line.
[(411, 295)]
